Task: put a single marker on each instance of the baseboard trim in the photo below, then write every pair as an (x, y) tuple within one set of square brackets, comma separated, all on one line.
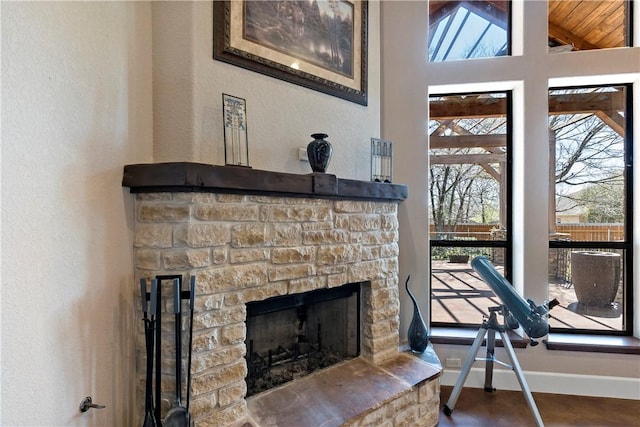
[(546, 382)]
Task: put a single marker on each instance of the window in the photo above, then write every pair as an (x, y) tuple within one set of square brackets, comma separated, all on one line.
[(589, 89), (469, 190), (468, 29), (590, 246), (586, 24)]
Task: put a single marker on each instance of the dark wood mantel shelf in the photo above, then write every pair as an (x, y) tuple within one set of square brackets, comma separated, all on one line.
[(198, 177)]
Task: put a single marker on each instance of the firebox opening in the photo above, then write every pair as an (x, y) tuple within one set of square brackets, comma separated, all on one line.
[(291, 336)]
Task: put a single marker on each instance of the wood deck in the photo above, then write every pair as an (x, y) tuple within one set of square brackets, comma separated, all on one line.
[(459, 295)]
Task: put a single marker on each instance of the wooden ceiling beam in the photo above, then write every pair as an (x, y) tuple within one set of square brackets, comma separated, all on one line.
[(440, 9), (567, 37), (586, 102), (467, 107), (491, 171), (496, 107), (614, 120), (493, 11), (462, 159), (467, 141)]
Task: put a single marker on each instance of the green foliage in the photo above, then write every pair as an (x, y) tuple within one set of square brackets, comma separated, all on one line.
[(443, 252), (604, 202)]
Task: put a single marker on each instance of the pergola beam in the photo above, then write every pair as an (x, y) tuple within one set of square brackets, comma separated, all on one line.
[(613, 119), (491, 171), (574, 103), (457, 159), (468, 141)]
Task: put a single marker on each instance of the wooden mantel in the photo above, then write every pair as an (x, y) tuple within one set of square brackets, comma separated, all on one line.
[(198, 177)]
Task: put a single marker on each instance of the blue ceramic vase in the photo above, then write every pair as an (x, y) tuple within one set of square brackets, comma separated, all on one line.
[(418, 335)]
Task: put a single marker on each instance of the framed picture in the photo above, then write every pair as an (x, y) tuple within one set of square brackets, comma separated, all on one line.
[(236, 146), (321, 45)]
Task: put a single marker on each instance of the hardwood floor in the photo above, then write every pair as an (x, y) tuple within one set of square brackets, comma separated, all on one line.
[(476, 408)]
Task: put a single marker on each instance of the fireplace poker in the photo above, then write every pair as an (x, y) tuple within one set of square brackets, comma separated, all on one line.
[(192, 299), (149, 329), (177, 415)]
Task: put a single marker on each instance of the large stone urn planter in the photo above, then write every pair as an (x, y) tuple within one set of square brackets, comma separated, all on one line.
[(595, 276)]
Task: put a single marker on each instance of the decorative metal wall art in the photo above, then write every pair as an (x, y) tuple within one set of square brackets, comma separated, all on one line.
[(381, 160), (236, 146)]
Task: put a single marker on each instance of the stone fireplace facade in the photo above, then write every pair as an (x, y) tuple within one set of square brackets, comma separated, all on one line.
[(245, 247)]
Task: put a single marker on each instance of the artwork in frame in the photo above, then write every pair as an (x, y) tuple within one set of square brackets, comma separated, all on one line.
[(236, 146), (319, 44)]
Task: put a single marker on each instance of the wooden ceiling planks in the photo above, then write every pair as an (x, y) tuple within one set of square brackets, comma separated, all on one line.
[(614, 34), (599, 15), (588, 24), (564, 8)]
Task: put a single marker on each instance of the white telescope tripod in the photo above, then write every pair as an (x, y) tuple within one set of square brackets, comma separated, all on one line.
[(491, 326)]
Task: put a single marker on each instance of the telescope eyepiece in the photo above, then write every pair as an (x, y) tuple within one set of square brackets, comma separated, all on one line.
[(511, 321)]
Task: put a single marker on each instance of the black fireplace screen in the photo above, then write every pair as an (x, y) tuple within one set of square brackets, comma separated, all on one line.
[(291, 336)]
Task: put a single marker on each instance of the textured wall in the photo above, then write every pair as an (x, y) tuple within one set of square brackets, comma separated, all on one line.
[(76, 106)]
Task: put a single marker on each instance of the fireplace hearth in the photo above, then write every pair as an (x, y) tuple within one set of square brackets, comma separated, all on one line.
[(251, 236)]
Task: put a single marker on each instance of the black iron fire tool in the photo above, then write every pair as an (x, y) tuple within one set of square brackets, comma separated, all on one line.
[(149, 326), (177, 416), (192, 299)]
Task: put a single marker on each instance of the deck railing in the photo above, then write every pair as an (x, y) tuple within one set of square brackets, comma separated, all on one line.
[(559, 265)]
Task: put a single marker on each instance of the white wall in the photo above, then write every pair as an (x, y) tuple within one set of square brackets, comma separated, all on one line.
[(76, 107), (188, 87), (404, 112), (407, 79)]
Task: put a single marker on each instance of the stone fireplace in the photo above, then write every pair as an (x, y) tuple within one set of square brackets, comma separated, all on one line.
[(250, 235)]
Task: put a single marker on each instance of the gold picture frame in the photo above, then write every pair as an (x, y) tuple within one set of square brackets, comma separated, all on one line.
[(321, 45)]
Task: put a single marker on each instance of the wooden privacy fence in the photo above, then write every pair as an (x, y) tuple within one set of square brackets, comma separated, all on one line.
[(462, 231), (592, 232), (572, 232)]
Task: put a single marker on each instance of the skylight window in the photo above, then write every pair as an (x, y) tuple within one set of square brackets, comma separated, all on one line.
[(468, 29)]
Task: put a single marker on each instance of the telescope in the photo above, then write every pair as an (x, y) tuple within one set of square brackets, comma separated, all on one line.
[(516, 311), (532, 317)]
